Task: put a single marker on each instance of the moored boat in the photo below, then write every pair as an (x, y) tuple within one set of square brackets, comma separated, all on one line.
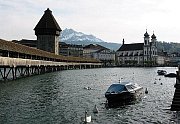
[(170, 75), (123, 93), (161, 72)]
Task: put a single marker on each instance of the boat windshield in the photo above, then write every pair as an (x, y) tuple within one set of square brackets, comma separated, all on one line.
[(116, 88)]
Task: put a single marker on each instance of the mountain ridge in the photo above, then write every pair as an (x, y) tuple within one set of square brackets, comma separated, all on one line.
[(73, 37), (70, 34)]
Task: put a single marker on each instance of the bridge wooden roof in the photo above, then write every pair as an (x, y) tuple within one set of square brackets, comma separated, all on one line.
[(15, 47)]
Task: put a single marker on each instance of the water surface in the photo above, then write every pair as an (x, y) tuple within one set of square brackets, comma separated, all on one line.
[(61, 97)]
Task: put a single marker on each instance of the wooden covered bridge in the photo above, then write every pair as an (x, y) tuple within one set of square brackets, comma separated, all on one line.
[(17, 61)]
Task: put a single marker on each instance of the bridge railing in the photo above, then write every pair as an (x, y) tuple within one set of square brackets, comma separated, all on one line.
[(13, 62)]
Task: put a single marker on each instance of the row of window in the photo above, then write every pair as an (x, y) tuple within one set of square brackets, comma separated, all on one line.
[(150, 52)]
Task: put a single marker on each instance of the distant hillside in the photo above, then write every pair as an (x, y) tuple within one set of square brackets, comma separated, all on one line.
[(169, 47), (73, 37)]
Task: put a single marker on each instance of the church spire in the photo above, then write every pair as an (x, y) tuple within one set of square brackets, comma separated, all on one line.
[(146, 38), (153, 36), (146, 34), (123, 41)]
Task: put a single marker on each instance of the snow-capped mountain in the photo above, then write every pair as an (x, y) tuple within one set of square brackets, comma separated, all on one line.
[(71, 35)]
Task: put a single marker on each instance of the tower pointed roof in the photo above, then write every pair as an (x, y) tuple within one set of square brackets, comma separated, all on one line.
[(123, 41), (153, 36), (146, 34), (47, 24)]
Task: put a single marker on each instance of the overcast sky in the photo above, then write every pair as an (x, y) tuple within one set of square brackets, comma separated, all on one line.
[(109, 20)]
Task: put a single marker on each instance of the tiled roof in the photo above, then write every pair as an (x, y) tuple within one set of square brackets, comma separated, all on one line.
[(31, 43), (94, 46), (47, 22), (15, 47), (131, 47)]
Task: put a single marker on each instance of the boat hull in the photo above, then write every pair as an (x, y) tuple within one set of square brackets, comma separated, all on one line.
[(123, 97), (170, 75)]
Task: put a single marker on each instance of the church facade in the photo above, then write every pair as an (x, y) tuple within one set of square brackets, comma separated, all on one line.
[(138, 54)]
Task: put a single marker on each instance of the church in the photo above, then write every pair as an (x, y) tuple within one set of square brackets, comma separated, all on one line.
[(138, 54)]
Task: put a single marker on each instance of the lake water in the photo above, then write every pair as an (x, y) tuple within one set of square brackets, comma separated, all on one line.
[(60, 97)]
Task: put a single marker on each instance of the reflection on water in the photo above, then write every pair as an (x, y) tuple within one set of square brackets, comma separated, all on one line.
[(62, 97)]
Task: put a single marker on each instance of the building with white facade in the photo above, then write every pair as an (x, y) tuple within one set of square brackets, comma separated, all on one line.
[(138, 54), (101, 53), (70, 49), (107, 56)]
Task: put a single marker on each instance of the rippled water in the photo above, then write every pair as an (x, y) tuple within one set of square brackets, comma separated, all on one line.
[(60, 97)]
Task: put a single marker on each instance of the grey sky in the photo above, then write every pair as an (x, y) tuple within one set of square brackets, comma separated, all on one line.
[(109, 20)]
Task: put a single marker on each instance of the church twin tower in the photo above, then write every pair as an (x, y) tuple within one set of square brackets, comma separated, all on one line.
[(150, 48)]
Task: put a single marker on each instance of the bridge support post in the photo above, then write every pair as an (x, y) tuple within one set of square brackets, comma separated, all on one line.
[(4, 74), (27, 71), (13, 73), (21, 72)]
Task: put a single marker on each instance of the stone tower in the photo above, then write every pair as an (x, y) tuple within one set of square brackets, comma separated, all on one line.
[(153, 48), (153, 39), (146, 47), (48, 31), (146, 39)]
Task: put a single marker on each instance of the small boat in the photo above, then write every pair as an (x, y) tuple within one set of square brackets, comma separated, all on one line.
[(123, 93), (161, 72), (170, 75)]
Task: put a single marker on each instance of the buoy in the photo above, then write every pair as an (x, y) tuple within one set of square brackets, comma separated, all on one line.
[(146, 91), (95, 110)]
